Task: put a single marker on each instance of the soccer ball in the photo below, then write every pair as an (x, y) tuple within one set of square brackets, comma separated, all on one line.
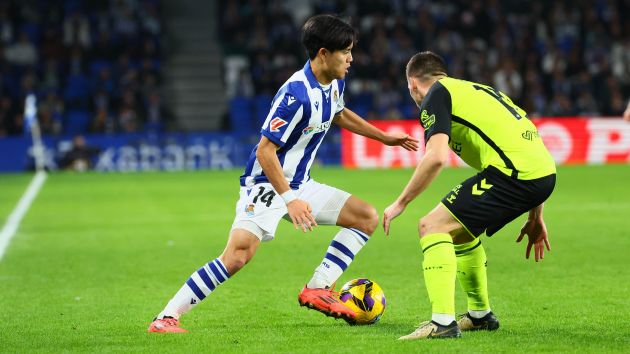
[(365, 298)]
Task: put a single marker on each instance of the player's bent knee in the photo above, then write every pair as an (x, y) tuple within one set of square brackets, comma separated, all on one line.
[(235, 260), (430, 225), (425, 226), (371, 220), (241, 258), (367, 220)]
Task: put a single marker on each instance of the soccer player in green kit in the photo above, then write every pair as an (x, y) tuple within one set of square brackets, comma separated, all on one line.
[(516, 175)]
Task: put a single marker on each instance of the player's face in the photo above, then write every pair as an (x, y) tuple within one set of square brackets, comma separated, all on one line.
[(338, 62)]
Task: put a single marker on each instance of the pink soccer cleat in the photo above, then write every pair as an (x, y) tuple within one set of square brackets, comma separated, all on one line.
[(327, 302), (166, 325)]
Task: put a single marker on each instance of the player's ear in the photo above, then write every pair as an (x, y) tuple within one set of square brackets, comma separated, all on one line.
[(322, 52), (412, 83)]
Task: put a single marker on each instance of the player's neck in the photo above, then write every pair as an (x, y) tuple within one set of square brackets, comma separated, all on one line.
[(426, 85), (320, 74)]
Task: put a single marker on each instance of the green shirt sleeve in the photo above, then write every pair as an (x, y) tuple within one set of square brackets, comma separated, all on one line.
[(435, 112)]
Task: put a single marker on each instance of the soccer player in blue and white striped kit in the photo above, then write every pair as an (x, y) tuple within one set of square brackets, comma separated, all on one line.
[(277, 181)]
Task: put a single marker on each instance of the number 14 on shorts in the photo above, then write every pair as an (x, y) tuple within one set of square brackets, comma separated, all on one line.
[(264, 197)]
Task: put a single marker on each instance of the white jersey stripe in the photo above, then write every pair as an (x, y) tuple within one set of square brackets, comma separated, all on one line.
[(300, 116), (294, 122)]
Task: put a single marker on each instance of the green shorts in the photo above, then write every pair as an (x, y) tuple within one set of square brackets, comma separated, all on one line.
[(490, 200)]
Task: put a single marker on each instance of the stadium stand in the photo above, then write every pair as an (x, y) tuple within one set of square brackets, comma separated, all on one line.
[(94, 65), (98, 66), (555, 58)]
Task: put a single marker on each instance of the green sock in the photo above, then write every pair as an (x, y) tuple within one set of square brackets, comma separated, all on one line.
[(471, 273), (439, 271)]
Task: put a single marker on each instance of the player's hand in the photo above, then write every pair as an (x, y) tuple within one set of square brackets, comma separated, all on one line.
[(401, 139), (390, 213), (300, 214), (536, 232)]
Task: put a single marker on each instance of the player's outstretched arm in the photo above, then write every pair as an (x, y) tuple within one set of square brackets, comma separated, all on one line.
[(351, 121), (299, 210), (536, 232), (434, 159)]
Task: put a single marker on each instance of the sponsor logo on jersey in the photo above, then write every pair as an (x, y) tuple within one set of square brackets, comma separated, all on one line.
[(276, 123), (316, 105), (530, 135), (427, 120), (316, 128), (290, 100)]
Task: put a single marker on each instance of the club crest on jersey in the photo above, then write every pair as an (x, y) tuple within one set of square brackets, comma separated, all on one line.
[(316, 128), (276, 123), (249, 210), (426, 119)]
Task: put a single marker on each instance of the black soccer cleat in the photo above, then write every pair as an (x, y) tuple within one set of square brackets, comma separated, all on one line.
[(489, 322)]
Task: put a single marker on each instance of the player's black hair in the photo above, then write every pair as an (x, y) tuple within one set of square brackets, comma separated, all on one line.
[(425, 65), (326, 31)]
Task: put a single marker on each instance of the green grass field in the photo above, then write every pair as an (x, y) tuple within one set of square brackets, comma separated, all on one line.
[(98, 255)]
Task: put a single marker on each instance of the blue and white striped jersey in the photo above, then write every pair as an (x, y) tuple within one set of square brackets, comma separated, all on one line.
[(300, 116)]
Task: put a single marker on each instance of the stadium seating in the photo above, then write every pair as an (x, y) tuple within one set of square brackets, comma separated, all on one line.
[(84, 52), (539, 53)]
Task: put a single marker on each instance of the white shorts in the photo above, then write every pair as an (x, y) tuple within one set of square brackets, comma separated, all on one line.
[(260, 208)]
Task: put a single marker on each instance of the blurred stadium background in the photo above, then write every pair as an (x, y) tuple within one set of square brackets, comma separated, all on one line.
[(165, 85), (172, 85)]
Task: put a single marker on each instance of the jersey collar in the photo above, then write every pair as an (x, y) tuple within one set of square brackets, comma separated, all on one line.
[(310, 76)]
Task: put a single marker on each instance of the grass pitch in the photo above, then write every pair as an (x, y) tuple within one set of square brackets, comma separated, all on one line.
[(99, 255)]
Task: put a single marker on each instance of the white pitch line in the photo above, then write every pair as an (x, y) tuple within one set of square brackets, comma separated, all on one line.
[(13, 222)]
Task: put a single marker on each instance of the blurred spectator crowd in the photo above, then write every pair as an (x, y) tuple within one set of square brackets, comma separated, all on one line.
[(93, 65), (553, 58)]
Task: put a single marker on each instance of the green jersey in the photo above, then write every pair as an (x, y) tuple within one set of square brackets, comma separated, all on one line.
[(485, 129)]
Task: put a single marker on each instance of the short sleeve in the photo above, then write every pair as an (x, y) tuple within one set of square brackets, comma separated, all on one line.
[(435, 111), (286, 111)]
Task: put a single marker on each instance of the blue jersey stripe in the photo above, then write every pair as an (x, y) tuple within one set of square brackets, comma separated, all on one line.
[(300, 172), (250, 166), (342, 84), (299, 135), (306, 158), (293, 139)]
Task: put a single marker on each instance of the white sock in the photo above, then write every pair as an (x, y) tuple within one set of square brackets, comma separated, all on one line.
[(346, 244), (444, 319), (477, 313), (200, 284)]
